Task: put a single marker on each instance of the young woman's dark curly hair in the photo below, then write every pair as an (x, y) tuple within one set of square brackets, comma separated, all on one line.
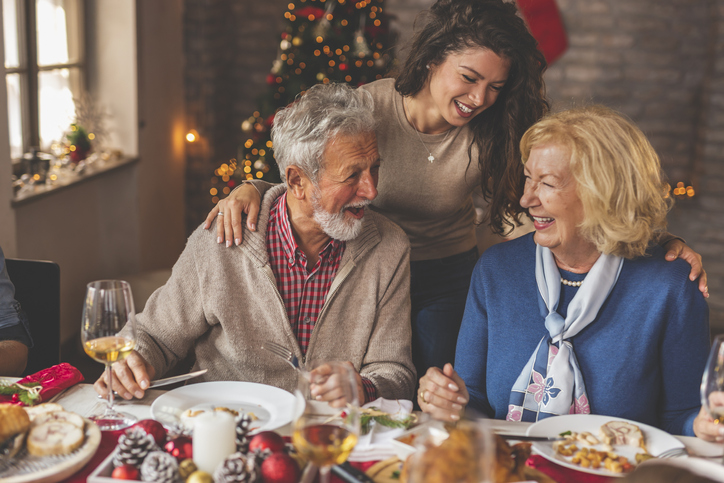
[(455, 25)]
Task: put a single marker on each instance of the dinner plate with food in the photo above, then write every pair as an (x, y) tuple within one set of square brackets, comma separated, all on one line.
[(602, 445), (269, 407), (44, 443)]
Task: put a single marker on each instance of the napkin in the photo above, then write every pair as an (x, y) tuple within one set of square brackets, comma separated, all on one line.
[(52, 381), (377, 444)]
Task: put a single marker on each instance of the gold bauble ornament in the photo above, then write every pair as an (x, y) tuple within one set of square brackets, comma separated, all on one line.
[(297, 41), (200, 477), (186, 467), (320, 76)]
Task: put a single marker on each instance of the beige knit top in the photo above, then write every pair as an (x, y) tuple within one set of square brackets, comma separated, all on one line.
[(431, 202)]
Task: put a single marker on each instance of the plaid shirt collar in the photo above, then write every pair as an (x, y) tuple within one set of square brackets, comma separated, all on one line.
[(292, 252)]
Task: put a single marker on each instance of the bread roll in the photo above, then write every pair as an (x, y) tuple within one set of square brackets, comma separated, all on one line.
[(54, 438), (13, 420), (69, 417), (34, 411)]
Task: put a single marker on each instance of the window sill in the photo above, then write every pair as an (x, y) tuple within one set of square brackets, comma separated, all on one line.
[(94, 170)]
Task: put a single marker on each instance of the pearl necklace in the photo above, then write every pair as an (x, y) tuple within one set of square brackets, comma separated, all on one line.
[(571, 283), (430, 158)]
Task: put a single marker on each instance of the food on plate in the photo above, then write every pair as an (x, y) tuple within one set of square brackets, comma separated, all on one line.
[(54, 438), (187, 417), (227, 410), (623, 432), (13, 421), (46, 417), (578, 447), (37, 410), (457, 459)]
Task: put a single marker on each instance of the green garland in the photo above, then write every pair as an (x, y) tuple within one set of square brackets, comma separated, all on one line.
[(374, 414), (25, 392)]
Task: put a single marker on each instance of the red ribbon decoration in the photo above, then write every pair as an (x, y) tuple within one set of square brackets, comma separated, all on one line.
[(53, 380)]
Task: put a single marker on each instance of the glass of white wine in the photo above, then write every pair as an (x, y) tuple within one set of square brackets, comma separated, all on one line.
[(712, 384), (108, 334), (325, 432)]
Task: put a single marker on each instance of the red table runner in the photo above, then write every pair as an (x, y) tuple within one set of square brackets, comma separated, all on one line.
[(560, 474)]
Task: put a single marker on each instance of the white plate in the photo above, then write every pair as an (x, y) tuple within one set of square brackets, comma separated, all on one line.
[(272, 406), (657, 441)]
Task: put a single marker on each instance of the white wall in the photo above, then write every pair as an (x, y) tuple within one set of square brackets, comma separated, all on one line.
[(130, 219)]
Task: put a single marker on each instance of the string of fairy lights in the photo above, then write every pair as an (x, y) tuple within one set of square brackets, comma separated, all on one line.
[(323, 41)]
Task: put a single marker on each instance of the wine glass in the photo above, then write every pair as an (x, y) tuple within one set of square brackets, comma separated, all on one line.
[(108, 334), (326, 432), (466, 454), (713, 381)]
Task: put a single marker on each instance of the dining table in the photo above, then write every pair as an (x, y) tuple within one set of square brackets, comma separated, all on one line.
[(83, 400)]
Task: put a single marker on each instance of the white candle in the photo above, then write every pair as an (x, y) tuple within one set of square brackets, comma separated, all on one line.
[(214, 439)]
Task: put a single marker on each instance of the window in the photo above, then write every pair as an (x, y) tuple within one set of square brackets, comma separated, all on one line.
[(44, 69)]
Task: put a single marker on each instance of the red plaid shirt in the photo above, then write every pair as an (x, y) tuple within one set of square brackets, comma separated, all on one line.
[(303, 290)]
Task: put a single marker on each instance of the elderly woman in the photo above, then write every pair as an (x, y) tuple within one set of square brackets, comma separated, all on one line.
[(584, 315)]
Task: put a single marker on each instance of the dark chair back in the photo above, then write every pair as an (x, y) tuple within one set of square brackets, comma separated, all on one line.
[(37, 288)]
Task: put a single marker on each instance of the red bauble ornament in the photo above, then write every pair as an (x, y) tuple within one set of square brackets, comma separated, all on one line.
[(154, 428), (266, 440), (125, 472), (280, 468), (343, 66), (180, 448), (271, 79)]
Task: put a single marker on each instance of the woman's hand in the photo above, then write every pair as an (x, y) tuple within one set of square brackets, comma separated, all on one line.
[(442, 394), (131, 377), (327, 385), (244, 199), (678, 249), (704, 425)]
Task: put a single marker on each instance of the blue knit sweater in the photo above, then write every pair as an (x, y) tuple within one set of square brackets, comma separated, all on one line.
[(641, 359)]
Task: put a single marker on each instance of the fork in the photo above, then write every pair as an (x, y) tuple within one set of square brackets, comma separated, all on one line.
[(284, 353), (673, 453)]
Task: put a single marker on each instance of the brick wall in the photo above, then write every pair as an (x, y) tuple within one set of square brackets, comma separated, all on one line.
[(662, 63), (659, 61)]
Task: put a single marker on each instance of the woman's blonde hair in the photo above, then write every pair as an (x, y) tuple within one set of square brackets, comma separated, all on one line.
[(620, 183)]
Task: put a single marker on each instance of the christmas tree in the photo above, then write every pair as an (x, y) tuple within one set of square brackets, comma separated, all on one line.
[(324, 41)]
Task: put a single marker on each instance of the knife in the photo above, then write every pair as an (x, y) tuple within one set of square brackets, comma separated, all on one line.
[(169, 380), (175, 379), (350, 474), (524, 437)]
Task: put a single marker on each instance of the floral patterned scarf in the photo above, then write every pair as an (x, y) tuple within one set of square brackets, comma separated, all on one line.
[(551, 383)]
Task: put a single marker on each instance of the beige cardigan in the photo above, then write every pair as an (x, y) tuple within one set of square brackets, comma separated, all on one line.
[(222, 303)]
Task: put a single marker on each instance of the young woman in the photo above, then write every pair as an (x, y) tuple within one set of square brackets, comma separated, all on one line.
[(449, 123)]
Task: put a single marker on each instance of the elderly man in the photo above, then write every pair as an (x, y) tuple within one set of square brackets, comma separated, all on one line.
[(322, 275)]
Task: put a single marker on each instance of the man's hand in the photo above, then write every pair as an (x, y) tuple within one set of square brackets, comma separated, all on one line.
[(329, 383), (244, 199), (678, 249), (442, 394), (131, 377), (704, 425)]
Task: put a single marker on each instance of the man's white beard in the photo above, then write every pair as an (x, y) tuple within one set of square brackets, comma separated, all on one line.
[(337, 225)]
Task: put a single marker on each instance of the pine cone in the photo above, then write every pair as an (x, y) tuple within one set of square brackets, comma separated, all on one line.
[(238, 468), (243, 424), (133, 446), (161, 467)]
